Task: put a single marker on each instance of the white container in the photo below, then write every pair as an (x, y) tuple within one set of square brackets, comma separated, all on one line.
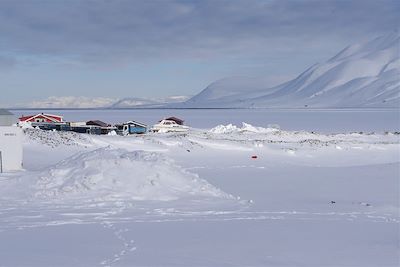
[(10, 148)]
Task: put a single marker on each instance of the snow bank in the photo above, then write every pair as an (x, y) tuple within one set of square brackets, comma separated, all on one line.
[(230, 128), (117, 174), (25, 125), (272, 134), (56, 138), (113, 133)]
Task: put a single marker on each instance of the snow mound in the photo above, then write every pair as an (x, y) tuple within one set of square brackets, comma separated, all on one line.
[(56, 138), (25, 125), (117, 174), (273, 134), (246, 128)]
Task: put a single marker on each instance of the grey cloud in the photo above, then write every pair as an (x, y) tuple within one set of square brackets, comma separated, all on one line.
[(118, 31)]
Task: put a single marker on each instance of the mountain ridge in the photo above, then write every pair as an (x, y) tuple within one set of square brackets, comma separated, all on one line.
[(360, 75)]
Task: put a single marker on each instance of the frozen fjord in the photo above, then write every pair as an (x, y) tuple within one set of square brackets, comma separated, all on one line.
[(319, 120)]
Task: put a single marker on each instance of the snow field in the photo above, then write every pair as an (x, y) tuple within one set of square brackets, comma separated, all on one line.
[(308, 199)]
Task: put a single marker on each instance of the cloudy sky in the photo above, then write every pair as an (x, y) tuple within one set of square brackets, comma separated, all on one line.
[(156, 48)]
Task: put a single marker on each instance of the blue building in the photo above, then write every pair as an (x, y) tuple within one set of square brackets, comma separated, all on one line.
[(131, 127)]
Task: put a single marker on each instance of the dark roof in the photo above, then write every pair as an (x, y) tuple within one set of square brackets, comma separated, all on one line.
[(97, 123), (5, 112), (175, 119)]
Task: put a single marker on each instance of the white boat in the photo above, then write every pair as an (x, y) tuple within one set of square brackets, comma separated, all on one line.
[(167, 126)]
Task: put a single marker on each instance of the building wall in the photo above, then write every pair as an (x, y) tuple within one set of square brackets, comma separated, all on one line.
[(11, 148), (41, 118)]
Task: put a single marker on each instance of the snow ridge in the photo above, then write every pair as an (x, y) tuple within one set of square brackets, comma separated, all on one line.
[(112, 174)]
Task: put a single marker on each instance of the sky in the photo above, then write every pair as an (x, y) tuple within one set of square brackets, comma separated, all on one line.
[(158, 48)]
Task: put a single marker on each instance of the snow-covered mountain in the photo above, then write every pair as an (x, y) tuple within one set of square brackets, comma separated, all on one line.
[(68, 102), (134, 102), (98, 102), (363, 75)]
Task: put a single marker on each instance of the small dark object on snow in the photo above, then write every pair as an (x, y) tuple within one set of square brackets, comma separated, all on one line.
[(187, 150), (333, 202), (254, 157), (365, 204)]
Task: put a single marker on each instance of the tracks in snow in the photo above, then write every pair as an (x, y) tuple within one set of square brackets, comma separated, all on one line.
[(110, 219), (128, 245)]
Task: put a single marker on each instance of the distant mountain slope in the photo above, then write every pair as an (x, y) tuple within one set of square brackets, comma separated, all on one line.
[(364, 75), (98, 102), (68, 102), (134, 102)]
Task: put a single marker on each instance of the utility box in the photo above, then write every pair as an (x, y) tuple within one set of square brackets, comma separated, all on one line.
[(10, 143), (10, 148)]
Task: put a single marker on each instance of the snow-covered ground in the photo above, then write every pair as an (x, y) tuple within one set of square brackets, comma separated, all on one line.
[(233, 195)]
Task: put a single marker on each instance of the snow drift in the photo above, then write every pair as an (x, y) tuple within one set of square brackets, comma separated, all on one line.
[(117, 174), (273, 134), (230, 128), (364, 75)]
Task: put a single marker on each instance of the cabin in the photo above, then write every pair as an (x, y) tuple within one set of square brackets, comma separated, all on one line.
[(105, 128), (51, 126), (131, 127), (175, 119), (98, 123), (10, 143), (43, 121), (82, 127), (42, 117), (87, 129)]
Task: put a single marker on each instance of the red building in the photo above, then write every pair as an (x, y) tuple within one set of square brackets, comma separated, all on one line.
[(41, 117)]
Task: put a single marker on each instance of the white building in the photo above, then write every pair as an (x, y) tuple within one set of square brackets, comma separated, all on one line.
[(10, 143)]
